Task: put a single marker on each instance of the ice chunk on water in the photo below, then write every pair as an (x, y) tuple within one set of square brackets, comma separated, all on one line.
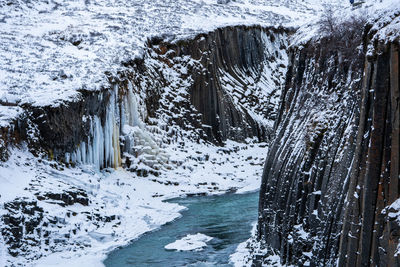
[(190, 242)]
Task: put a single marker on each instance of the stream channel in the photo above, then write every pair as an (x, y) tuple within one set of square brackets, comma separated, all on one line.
[(226, 218)]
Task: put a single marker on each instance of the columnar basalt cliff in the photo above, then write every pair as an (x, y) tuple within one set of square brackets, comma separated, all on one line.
[(234, 76), (332, 170), (370, 228), (307, 164), (216, 86)]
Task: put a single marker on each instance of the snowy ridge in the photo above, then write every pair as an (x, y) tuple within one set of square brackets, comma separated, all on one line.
[(383, 16)]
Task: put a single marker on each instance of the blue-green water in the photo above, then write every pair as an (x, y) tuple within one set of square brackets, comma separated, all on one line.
[(226, 218)]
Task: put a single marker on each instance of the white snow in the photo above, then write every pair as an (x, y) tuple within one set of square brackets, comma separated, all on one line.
[(241, 257), (381, 14), (8, 113), (14, 178), (59, 260), (195, 242), (393, 212)]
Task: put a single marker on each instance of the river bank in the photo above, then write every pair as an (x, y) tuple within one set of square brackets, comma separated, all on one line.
[(137, 204)]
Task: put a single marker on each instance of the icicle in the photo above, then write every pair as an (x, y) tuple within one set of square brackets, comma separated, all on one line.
[(108, 133), (132, 108), (97, 146), (73, 157), (78, 155), (101, 143), (107, 139), (116, 147), (67, 157), (89, 156), (123, 115), (83, 152), (102, 148)]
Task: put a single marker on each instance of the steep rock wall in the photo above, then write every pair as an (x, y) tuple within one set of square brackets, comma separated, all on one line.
[(61, 128), (332, 170), (371, 231), (305, 172), (235, 75)]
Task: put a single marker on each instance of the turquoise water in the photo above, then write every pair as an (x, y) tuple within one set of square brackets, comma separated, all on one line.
[(226, 218)]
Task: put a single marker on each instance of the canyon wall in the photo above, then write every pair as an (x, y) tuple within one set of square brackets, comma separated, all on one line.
[(332, 170), (234, 75), (370, 234), (211, 87)]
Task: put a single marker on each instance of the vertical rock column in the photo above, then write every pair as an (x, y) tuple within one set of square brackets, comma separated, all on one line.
[(370, 230), (306, 172)]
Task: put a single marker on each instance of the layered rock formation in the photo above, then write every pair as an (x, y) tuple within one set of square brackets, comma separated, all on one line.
[(234, 75), (333, 168), (370, 234)]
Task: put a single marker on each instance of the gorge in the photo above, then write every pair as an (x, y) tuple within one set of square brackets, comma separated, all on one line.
[(203, 114)]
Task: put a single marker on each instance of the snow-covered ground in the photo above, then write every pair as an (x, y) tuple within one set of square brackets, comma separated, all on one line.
[(122, 206), (245, 252), (380, 14), (242, 254)]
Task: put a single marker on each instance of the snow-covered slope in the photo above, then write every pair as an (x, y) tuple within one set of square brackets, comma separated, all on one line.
[(53, 215), (50, 49)]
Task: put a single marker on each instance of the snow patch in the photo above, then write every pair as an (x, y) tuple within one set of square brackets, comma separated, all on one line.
[(190, 242), (241, 257)]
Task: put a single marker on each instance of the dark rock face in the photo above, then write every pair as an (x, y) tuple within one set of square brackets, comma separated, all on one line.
[(21, 223), (370, 232), (225, 58), (4, 140), (227, 49), (66, 198), (333, 166), (9, 136), (29, 230), (306, 168), (60, 129)]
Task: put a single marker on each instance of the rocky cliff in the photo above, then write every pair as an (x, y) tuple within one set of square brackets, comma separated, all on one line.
[(332, 170), (217, 86), (232, 75)]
